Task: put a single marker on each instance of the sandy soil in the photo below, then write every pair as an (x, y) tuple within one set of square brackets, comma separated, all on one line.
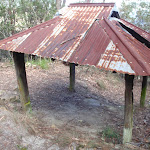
[(69, 120)]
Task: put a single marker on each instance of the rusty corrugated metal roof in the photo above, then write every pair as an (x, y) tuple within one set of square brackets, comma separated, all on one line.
[(83, 34), (59, 37)]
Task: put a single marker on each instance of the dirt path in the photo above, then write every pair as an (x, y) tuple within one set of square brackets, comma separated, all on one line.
[(75, 118)]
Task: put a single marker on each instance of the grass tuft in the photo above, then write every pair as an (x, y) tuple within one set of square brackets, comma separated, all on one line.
[(110, 135), (22, 148)]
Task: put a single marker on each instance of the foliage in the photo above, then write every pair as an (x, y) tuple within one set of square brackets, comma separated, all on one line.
[(5, 55), (136, 13), (109, 133), (21, 148), (7, 17), (18, 15), (42, 63), (35, 12), (92, 144)]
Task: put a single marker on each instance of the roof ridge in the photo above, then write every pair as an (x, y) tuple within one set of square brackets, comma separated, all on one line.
[(91, 4)]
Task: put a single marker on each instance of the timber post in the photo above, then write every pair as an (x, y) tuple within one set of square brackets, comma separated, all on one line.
[(128, 110), (72, 77), (143, 91), (22, 80)]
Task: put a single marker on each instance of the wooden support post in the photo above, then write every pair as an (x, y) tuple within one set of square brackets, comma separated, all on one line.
[(22, 80), (128, 111), (143, 91), (72, 77)]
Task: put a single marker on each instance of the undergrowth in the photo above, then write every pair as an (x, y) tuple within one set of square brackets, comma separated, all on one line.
[(42, 63), (21, 147), (110, 135)]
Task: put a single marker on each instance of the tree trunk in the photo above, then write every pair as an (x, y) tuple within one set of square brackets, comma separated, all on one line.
[(72, 77), (22, 80), (64, 3), (87, 1), (58, 4), (143, 91), (12, 16), (128, 111)]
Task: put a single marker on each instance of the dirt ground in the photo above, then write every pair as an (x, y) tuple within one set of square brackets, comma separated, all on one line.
[(64, 120)]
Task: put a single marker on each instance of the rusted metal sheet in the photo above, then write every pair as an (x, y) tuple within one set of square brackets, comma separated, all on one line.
[(83, 34), (136, 54), (98, 49), (28, 41), (109, 47), (92, 47), (112, 59)]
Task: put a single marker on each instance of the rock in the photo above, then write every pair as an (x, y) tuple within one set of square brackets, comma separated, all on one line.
[(54, 147), (73, 146), (117, 147), (111, 108), (28, 141), (91, 102), (131, 145), (1, 92), (9, 96)]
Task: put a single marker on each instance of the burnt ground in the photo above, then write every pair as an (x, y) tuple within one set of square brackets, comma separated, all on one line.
[(70, 120)]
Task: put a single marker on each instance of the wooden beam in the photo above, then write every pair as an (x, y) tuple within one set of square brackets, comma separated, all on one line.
[(22, 80), (128, 110), (143, 91), (72, 77)]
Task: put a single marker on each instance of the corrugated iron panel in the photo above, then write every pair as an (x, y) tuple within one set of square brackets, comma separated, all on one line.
[(112, 59), (73, 29), (27, 41), (91, 48), (97, 49), (133, 51), (108, 46)]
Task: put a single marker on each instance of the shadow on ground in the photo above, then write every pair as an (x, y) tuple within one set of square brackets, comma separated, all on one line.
[(84, 109)]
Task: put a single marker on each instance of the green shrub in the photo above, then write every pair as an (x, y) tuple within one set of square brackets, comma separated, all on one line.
[(42, 63), (111, 135)]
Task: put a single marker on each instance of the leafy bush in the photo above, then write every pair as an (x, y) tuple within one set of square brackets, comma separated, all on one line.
[(42, 63)]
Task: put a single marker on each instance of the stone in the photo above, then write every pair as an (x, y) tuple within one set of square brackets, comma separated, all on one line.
[(9, 96), (38, 142), (54, 147), (1, 92), (91, 102), (117, 147)]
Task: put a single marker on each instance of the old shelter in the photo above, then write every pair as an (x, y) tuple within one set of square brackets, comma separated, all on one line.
[(86, 34)]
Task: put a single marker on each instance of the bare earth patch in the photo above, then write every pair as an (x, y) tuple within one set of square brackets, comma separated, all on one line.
[(64, 120)]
